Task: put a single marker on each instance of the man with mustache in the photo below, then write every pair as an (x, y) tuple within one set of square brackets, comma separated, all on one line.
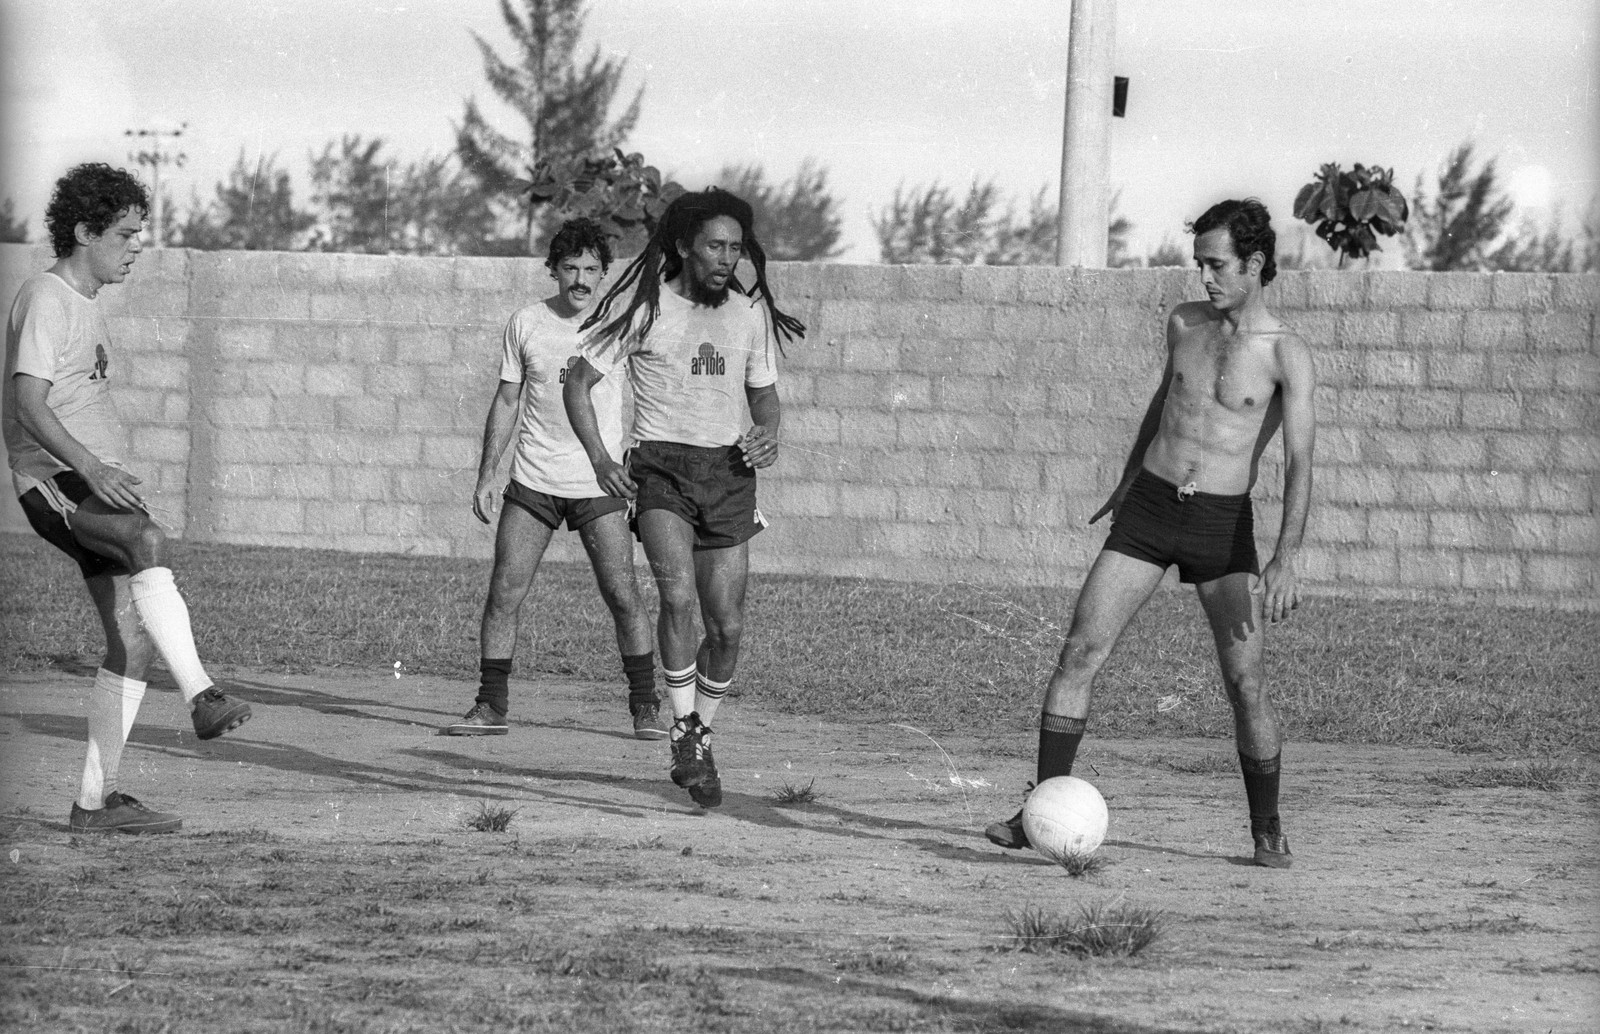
[(1234, 374), (552, 482), (69, 453), (700, 353)]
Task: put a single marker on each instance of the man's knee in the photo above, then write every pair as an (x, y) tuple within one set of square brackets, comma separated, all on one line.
[(1084, 651), (1247, 691), (724, 631)]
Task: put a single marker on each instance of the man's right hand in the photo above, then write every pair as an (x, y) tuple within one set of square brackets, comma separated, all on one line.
[(1113, 504), (614, 480), (485, 503), (113, 486)]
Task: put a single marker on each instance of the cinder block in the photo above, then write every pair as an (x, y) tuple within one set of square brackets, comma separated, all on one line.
[(1577, 372), (1319, 329), (927, 281), (332, 517), (1581, 291), (1394, 448), (909, 391), (1455, 450), (1498, 489), (1461, 531), (1430, 568), (440, 451), (1432, 489), (856, 429), (243, 480), (175, 410), (235, 411), (274, 378), (1390, 368), (1395, 289), (161, 445), (870, 354), (1521, 371), (420, 276), (1342, 524), (1521, 290), (1372, 568), (1559, 331), (1559, 575), (394, 519), (1370, 407), (1500, 572), (1457, 369), (491, 274), (259, 516), (1521, 451), (1579, 451), (1432, 332), (989, 285), (425, 485), (1426, 409), (302, 481), (813, 427), (1577, 533), (1339, 445), (1406, 529), (1372, 330), (156, 372), (238, 340), (873, 502), (851, 389), (366, 413), (1458, 292), (1496, 330), (903, 466), (362, 343), (1317, 564), (953, 393), (333, 379), (393, 381), (914, 503), (1342, 368), (1561, 493), (1491, 410), (1357, 486), (1535, 532), (1334, 289)]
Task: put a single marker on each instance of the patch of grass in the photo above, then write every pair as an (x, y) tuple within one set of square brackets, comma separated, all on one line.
[(787, 796), (1465, 676), (1535, 775), (491, 820), (1097, 931), (887, 964), (1084, 863), (1205, 764)]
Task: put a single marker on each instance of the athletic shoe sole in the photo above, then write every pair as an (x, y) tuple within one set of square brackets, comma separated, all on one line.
[(474, 730)]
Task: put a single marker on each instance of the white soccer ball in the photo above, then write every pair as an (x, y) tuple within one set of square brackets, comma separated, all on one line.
[(1065, 816)]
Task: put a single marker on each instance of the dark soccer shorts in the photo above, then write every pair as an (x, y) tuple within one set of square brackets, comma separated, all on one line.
[(713, 489), (551, 510), (51, 524), (1207, 536)]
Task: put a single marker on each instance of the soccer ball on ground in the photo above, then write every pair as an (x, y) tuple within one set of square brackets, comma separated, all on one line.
[(1064, 816)]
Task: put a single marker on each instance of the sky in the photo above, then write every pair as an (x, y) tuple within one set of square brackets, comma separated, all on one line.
[(1228, 98)]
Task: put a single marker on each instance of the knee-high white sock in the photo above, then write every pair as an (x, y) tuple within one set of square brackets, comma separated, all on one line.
[(113, 705), (166, 619), (680, 690), (707, 695)]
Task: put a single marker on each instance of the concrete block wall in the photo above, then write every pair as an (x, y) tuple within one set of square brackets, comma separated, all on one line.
[(941, 423)]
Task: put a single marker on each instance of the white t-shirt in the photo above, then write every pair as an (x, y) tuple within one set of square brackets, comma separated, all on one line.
[(539, 346), (58, 335), (691, 371)]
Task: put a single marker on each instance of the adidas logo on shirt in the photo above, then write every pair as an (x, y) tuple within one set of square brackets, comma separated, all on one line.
[(708, 362)]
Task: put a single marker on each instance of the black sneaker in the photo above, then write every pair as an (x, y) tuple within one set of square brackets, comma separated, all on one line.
[(708, 791), (214, 714), (1008, 833), (647, 721), (687, 767), (121, 814), (1272, 851), (482, 720)]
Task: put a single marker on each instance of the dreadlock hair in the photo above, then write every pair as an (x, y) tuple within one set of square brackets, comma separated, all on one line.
[(660, 261), (575, 237), (94, 194)]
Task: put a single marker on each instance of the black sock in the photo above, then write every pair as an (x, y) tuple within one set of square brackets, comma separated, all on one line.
[(1058, 744), (1261, 789), (641, 671), (492, 688)]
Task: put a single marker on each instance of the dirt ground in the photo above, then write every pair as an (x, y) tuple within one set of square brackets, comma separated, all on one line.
[(1410, 906)]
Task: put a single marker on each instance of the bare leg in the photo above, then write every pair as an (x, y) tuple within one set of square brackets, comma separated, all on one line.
[(1117, 587), (669, 546), (118, 688), (610, 547), (519, 544), (1236, 625)]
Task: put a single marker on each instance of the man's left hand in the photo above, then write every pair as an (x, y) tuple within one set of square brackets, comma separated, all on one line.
[(1280, 590), (759, 448)]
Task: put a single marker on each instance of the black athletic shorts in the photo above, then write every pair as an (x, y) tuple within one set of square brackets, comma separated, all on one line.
[(551, 510), (53, 528), (1206, 535), (713, 489)]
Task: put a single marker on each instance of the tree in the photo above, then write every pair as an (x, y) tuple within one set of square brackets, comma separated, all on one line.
[(1458, 226), (619, 191), (363, 201), (1351, 209), (796, 220), (253, 210), (565, 107), (927, 225), (12, 230), (1168, 253)]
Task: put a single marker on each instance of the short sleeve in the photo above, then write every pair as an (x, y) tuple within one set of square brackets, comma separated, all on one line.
[(44, 328), (761, 368), (511, 351)]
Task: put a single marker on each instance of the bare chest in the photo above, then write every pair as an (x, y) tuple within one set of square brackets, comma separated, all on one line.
[(1237, 376)]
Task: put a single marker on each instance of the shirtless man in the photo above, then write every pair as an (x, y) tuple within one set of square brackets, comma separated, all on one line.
[(1234, 373)]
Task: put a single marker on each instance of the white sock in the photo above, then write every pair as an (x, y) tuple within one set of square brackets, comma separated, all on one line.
[(707, 695), (166, 620), (680, 690), (113, 705)]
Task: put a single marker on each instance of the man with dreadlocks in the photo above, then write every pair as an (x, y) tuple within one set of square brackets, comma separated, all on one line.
[(692, 477)]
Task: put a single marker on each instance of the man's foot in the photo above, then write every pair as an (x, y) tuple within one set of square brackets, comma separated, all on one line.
[(693, 766), (1272, 851), (121, 814), (647, 721), (1008, 833), (482, 720), (708, 791), (214, 714)]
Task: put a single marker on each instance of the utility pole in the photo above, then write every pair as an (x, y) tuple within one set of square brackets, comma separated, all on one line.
[(155, 155), (1086, 137)]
